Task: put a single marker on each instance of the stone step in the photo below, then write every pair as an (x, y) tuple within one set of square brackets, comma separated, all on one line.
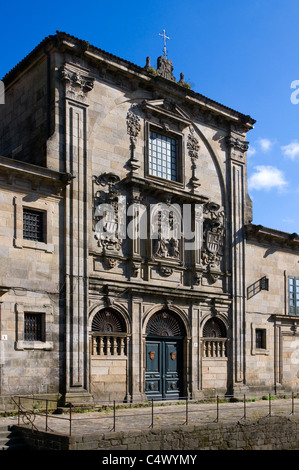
[(9, 439)]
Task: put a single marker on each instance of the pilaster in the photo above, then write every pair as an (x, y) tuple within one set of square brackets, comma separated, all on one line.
[(237, 147), (77, 85)]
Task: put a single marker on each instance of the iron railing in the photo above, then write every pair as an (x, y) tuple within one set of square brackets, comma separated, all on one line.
[(113, 416)]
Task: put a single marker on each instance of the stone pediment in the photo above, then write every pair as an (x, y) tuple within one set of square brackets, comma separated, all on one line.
[(167, 110)]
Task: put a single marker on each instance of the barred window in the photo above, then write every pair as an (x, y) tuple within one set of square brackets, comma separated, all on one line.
[(34, 326), (163, 156), (260, 339), (33, 225)]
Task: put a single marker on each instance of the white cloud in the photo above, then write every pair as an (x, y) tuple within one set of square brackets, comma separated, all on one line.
[(291, 150), (251, 151), (266, 177), (265, 144)]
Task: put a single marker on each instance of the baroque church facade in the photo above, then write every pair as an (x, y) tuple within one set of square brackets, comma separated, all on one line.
[(110, 175)]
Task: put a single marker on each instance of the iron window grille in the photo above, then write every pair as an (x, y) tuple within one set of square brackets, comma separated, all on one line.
[(163, 156), (33, 225), (294, 295), (34, 327), (260, 339)]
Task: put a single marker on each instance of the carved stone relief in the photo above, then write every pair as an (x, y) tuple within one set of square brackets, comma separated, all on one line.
[(213, 243), (133, 129), (193, 149), (106, 228), (77, 83)]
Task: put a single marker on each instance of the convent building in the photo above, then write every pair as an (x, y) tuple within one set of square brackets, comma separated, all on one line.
[(130, 268)]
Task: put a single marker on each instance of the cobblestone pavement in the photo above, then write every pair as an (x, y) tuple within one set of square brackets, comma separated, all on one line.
[(144, 418)]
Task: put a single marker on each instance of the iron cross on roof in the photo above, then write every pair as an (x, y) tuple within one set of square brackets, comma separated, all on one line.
[(164, 37)]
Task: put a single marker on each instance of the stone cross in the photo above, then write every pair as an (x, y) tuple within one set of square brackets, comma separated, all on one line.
[(164, 37)]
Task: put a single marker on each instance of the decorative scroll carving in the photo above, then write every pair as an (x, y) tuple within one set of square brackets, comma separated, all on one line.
[(193, 149), (237, 144), (110, 262), (133, 129), (165, 270), (77, 83), (135, 267)]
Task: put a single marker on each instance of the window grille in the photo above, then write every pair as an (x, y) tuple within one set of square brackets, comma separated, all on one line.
[(108, 321), (164, 323), (33, 222), (163, 156), (214, 328), (33, 326), (260, 339)]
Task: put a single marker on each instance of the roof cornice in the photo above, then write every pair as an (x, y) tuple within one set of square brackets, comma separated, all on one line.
[(63, 41), (267, 236)]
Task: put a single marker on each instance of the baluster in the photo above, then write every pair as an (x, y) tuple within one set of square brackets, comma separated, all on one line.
[(94, 345), (122, 347), (108, 346), (114, 346), (101, 346)]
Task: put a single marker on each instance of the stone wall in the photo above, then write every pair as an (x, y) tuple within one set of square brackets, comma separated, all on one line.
[(275, 433), (276, 363), (109, 378)]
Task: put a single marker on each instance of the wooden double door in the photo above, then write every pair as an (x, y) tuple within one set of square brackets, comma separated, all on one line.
[(164, 368)]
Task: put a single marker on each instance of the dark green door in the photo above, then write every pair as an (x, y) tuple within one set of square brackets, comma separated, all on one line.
[(163, 376)]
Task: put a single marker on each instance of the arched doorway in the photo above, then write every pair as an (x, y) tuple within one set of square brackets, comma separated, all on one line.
[(164, 356)]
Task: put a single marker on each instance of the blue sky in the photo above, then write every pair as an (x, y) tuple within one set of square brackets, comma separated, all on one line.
[(239, 53)]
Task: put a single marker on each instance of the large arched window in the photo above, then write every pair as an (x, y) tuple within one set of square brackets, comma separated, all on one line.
[(109, 336), (214, 338)]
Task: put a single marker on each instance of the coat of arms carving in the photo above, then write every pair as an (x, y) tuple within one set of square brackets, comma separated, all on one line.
[(213, 240)]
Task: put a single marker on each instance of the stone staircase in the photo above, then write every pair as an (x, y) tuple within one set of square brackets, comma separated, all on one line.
[(10, 440)]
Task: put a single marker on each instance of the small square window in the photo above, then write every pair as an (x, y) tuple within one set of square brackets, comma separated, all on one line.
[(33, 225), (34, 326), (260, 339)]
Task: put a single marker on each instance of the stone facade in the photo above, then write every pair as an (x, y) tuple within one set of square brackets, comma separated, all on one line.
[(78, 131)]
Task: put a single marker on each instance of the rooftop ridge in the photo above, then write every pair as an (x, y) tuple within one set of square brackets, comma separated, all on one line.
[(60, 35)]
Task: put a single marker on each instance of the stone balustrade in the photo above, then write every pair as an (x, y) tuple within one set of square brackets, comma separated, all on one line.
[(214, 347), (108, 344)]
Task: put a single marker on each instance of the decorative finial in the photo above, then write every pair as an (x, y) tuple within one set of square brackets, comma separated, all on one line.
[(164, 38)]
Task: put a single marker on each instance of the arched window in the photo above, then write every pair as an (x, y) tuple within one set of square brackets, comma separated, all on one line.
[(109, 337), (214, 328), (108, 321), (214, 338), (165, 323)]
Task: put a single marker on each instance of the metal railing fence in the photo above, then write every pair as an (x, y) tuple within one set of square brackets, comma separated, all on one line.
[(106, 416)]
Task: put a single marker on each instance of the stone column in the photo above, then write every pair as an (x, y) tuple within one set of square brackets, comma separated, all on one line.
[(76, 229), (237, 197)]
